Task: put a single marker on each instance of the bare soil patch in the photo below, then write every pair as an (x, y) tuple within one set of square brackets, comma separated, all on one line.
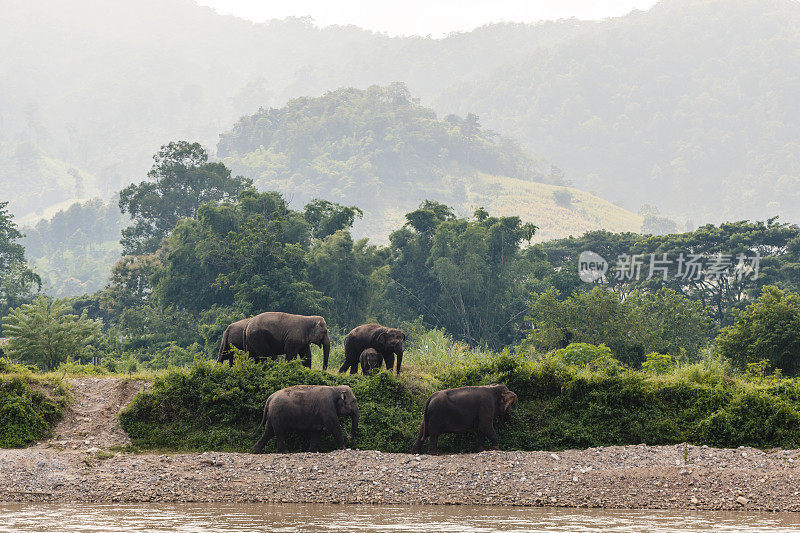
[(90, 421)]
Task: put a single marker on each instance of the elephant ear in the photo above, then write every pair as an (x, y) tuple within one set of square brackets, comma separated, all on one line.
[(506, 399), (380, 338)]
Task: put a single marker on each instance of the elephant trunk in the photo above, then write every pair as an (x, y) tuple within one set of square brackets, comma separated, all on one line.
[(399, 354), (326, 351), (354, 427)]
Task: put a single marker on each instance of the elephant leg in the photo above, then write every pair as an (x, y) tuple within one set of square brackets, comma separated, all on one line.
[(268, 434), (389, 359), (280, 440), (479, 440), (433, 446), (492, 434), (292, 350), (331, 423), (313, 441), (344, 366), (305, 355)]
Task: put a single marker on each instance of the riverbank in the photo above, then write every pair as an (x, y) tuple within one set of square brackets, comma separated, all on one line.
[(81, 464), (629, 477)]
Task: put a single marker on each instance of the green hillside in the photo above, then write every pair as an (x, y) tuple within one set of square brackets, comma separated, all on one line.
[(382, 151)]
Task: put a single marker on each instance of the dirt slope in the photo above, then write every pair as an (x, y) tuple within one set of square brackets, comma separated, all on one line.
[(91, 420)]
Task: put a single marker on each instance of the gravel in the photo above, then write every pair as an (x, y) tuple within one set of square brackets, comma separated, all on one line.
[(631, 477)]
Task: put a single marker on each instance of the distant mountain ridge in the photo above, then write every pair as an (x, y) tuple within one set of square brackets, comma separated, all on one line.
[(690, 106)]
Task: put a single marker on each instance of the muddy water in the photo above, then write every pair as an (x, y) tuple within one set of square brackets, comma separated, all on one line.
[(241, 518)]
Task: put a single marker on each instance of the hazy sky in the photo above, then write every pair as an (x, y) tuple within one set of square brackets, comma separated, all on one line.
[(424, 17)]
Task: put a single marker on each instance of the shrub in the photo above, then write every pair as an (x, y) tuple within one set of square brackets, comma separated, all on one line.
[(46, 333), (28, 409), (768, 329), (657, 363)]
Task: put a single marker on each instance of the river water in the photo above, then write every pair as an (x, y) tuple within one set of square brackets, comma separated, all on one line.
[(247, 518)]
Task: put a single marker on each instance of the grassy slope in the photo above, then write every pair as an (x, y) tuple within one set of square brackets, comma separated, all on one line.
[(504, 196), (534, 202)]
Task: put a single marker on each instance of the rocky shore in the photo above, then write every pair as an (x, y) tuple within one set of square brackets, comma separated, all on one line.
[(632, 477), (77, 466)]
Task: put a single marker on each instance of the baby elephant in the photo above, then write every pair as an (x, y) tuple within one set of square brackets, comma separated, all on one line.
[(307, 408), (464, 409), (370, 361)]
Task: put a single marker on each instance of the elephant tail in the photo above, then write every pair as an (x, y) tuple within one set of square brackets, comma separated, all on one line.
[(423, 430), (223, 347), (266, 413)]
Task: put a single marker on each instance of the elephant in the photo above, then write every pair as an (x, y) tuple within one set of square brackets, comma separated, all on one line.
[(370, 361), (307, 408), (464, 409), (271, 334), (386, 341), (233, 336)]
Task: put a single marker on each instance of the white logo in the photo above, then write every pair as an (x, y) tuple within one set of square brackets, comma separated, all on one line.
[(591, 267)]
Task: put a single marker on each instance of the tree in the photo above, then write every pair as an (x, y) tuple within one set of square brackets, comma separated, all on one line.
[(662, 321), (17, 281), (46, 333), (180, 181), (249, 254), (769, 328), (466, 275), (326, 218)]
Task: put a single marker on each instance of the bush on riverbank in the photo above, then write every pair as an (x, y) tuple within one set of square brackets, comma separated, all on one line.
[(29, 405), (561, 405)]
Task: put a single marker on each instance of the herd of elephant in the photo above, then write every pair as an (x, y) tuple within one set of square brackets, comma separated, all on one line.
[(312, 408), (272, 334)]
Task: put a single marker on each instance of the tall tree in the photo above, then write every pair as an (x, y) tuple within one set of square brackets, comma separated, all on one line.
[(46, 333), (180, 181), (17, 281)]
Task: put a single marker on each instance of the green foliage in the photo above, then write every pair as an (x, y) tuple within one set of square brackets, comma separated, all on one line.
[(769, 328), (776, 244), (326, 218), (588, 356), (249, 254), (657, 363), (180, 181), (216, 407), (28, 408), (465, 275), (561, 404), (644, 322), (376, 148), (46, 333), (75, 249), (17, 281)]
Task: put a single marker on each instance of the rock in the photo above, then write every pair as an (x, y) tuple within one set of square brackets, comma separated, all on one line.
[(741, 500), (554, 456)]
